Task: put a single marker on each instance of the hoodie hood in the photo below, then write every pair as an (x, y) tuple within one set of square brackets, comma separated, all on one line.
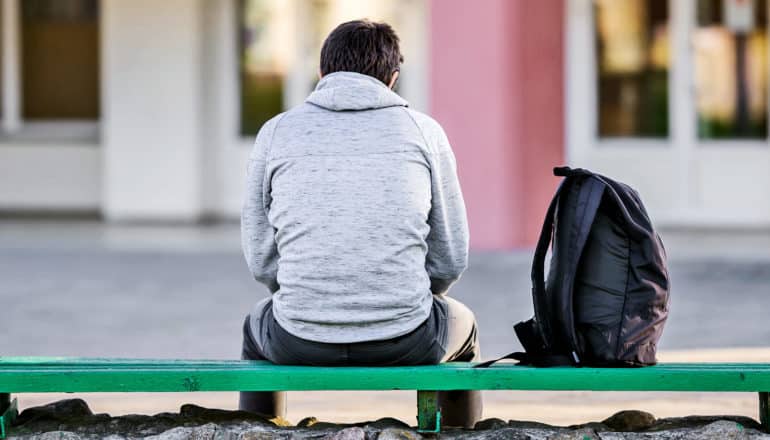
[(353, 91)]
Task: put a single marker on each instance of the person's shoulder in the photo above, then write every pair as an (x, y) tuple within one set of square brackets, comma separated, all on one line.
[(267, 130), (271, 124), (431, 130), (264, 138), (424, 121), (291, 118)]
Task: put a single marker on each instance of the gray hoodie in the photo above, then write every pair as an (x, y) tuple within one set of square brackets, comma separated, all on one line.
[(353, 214)]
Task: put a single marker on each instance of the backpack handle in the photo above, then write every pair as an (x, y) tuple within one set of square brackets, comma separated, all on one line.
[(635, 224), (570, 172)]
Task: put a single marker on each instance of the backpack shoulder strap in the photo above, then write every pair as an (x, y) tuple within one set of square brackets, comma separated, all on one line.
[(541, 324), (554, 310), (534, 354), (562, 322), (524, 359), (588, 200)]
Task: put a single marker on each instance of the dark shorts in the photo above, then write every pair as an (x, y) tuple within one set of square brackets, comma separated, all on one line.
[(424, 345)]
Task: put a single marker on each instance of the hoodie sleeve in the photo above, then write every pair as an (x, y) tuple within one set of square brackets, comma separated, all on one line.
[(257, 234), (448, 237)]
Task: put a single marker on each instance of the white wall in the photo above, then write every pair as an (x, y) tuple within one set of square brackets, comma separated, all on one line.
[(49, 176), (225, 151), (152, 109)]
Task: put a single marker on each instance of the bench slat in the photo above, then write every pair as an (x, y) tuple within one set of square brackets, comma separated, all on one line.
[(135, 375), (26, 362)]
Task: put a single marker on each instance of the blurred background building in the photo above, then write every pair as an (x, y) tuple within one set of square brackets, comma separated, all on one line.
[(136, 117), (146, 111)]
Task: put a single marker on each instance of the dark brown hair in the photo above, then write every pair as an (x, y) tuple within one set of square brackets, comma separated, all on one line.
[(362, 46)]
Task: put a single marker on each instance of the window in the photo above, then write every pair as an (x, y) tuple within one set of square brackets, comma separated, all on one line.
[(632, 62), (49, 80), (264, 58), (730, 68), (60, 59), (280, 42)]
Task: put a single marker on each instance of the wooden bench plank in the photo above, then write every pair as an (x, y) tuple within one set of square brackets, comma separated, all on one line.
[(103, 375)]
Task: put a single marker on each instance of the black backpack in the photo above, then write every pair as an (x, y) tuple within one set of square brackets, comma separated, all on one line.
[(606, 297)]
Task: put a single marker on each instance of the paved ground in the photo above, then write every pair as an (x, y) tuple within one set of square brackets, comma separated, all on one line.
[(85, 289)]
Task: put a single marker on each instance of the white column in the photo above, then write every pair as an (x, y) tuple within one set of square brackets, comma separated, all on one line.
[(11, 65), (152, 109), (412, 24), (580, 81), (682, 101), (305, 61)]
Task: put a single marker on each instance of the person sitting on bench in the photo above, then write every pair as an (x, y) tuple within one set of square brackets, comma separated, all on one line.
[(354, 220)]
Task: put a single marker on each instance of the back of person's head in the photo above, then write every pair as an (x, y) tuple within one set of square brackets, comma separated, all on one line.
[(362, 46)]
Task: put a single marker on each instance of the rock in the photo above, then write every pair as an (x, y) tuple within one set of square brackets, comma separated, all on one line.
[(73, 420), (180, 433), (719, 430), (698, 421), (263, 435), (317, 426), (526, 424), (579, 434), (307, 422), (629, 421), (75, 416), (59, 435), (398, 434), (196, 412), (205, 432), (209, 431), (483, 425), (594, 426), (387, 422), (505, 433), (354, 433), (57, 411), (722, 429), (190, 410)]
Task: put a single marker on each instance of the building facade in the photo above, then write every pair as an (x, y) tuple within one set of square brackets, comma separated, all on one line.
[(146, 111)]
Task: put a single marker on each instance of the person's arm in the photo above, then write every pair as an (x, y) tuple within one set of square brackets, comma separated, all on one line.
[(257, 234), (448, 238)]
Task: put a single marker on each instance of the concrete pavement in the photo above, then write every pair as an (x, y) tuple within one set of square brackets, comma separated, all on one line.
[(87, 289)]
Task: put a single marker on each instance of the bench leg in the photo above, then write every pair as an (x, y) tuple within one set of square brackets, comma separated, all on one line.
[(428, 412), (8, 412), (764, 410)]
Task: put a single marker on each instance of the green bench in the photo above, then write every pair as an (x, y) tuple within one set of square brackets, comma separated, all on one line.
[(42, 375)]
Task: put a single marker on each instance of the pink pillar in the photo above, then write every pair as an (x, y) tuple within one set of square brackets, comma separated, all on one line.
[(497, 88)]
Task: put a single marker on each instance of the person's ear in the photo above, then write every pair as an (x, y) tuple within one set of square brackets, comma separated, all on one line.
[(393, 79)]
